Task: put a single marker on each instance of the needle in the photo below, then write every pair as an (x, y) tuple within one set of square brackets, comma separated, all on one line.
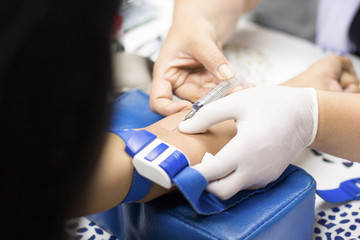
[(177, 126)]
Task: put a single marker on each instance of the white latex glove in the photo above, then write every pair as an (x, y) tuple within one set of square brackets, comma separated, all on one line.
[(273, 124)]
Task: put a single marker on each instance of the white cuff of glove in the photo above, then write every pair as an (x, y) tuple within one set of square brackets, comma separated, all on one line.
[(315, 117)]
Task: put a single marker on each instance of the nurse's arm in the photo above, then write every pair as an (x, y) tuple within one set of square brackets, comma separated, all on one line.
[(339, 125)]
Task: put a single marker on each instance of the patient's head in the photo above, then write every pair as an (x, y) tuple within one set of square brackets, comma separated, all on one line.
[(54, 77)]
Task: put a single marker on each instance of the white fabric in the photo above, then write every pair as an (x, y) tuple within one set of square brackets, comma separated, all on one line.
[(333, 24), (273, 124)]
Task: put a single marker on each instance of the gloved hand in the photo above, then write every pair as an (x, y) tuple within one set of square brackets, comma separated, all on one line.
[(273, 124)]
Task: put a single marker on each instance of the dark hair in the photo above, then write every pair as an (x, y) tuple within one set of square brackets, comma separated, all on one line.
[(55, 74), (354, 32)]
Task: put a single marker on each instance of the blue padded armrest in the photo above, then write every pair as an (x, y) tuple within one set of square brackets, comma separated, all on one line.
[(286, 211), (132, 110)]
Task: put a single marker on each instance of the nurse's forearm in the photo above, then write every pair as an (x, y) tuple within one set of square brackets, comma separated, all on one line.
[(339, 125), (222, 14)]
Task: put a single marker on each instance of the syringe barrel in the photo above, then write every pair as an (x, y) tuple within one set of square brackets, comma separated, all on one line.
[(218, 91)]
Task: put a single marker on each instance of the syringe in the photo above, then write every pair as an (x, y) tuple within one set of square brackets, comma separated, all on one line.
[(219, 91)]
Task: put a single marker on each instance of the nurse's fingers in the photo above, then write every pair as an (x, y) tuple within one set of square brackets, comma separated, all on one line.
[(227, 187), (352, 88), (348, 78)]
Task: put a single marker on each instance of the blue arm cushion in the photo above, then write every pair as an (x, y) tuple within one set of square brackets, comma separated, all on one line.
[(286, 211)]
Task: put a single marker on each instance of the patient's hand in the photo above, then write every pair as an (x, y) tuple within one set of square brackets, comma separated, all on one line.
[(332, 73)]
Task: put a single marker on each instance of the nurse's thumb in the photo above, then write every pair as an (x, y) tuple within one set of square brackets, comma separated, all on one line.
[(212, 58)]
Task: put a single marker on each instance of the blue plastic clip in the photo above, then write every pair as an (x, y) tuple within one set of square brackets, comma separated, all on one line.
[(348, 190)]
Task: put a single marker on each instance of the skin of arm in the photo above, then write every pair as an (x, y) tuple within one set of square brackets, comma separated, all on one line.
[(339, 120), (113, 177)]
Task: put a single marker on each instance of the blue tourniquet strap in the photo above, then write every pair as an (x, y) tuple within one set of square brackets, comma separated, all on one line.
[(192, 185), (135, 140), (189, 181), (140, 186), (348, 190)]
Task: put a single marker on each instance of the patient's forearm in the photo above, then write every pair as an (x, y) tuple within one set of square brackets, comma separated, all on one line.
[(193, 145), (338, 134), (339, 125), (113, 175)]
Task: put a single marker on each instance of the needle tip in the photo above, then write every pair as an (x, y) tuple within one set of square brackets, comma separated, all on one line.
[(189, 115)]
